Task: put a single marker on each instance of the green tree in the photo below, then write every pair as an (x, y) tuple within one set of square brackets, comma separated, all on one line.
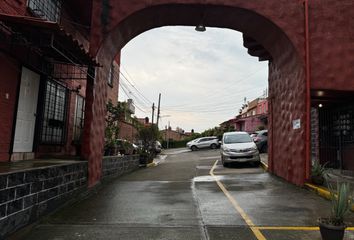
[(148, 135), (114, 114)]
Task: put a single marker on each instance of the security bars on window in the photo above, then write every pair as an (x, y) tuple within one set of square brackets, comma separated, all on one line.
[(46, 9), (54, 115), (79, 118)]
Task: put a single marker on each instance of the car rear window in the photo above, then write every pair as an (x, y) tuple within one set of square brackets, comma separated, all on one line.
[(237, 138)]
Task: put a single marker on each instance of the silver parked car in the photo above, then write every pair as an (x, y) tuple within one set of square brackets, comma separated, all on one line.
[(203, 142), (238, 147)]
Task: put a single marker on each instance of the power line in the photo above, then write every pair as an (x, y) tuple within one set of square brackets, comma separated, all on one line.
[(129, 96), (135, 97), (126, 71), (213, 103), (142, 97), (131, 84)]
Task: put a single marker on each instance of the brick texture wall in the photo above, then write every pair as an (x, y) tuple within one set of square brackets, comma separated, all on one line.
[(127, 131), (114, 166), (27, 195)]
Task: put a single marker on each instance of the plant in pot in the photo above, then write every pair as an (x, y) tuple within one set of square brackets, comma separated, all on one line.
[(333, 227), (143, 157), (147, 136), (317, 173)]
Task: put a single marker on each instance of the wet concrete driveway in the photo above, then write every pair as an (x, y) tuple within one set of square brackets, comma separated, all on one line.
[(190, 196)]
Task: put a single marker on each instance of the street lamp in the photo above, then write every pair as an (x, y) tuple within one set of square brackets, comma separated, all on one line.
[(200, 28)]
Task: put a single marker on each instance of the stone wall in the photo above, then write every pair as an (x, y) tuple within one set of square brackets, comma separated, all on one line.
[(114, 166), (27, 195)]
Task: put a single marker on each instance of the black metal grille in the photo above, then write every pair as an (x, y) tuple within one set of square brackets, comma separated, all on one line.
[(65, 71), (314, 135), (111, 75), (54, 114), (47, 9), (336, 134), (79, 118)]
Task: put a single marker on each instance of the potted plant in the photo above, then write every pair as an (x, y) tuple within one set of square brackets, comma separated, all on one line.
[(317, 173), (333, 227)]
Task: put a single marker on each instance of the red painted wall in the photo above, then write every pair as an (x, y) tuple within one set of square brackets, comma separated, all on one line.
[(262, 107), (10, 77), (331, 44), (14, 7), (127, 131), (250, 124), (277, 25), (11, 70)]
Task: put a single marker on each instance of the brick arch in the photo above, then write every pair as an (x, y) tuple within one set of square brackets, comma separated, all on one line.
[(272, 30)]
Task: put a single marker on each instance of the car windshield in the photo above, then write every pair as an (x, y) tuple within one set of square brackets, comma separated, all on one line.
[(237, 138)]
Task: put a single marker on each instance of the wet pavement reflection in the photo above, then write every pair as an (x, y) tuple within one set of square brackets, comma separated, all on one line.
[(179, 199)]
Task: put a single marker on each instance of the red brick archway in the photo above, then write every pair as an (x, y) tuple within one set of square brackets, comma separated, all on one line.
[(272, 28)]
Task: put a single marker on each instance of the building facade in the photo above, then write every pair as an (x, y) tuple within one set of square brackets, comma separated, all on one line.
[(173, 135), (298, 38), (45, 64), (253, 116)]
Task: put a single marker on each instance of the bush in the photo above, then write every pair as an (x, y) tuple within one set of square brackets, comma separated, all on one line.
[(175, 144)]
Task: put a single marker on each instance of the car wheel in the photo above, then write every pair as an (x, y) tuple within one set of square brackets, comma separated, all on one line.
[(264, 148), (194, 148), (213, 146), (222, 162)]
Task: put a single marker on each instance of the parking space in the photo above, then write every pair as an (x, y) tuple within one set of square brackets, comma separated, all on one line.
[(190, 195)]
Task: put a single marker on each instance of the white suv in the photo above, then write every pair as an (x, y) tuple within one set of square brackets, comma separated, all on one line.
[(204, 142)]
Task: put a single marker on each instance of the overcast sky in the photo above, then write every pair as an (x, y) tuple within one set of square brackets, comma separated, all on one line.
[(202, 77)]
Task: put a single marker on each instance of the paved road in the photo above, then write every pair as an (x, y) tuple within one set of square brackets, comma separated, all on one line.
[(190, 196)]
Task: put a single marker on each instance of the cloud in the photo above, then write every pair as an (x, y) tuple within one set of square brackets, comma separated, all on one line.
[(203, 77)]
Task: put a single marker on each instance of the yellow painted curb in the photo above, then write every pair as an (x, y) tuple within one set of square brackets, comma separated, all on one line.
[(153, 164), (264, 166), (323, 192)]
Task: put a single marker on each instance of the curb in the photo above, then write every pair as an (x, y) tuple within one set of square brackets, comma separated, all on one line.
[(153, 164), (319, 190), (264, 166), (322, 191), (156, 161)]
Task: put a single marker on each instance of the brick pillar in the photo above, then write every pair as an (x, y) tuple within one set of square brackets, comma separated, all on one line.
[(93, 135)]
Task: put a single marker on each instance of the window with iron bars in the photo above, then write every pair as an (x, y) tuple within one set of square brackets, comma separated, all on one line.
[(79, 118), (54, 114), (46, 9), (110, 76)]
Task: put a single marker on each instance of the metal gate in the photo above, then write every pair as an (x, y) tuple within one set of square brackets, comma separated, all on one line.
[(336, 136)]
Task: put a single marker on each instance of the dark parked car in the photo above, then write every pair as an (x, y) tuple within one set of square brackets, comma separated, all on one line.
[(261, 141), (157, 147), (126, 148)]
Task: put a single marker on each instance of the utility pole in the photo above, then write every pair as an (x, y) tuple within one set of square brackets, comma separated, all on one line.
[(153, 113), (158, 111), (168, 137)]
